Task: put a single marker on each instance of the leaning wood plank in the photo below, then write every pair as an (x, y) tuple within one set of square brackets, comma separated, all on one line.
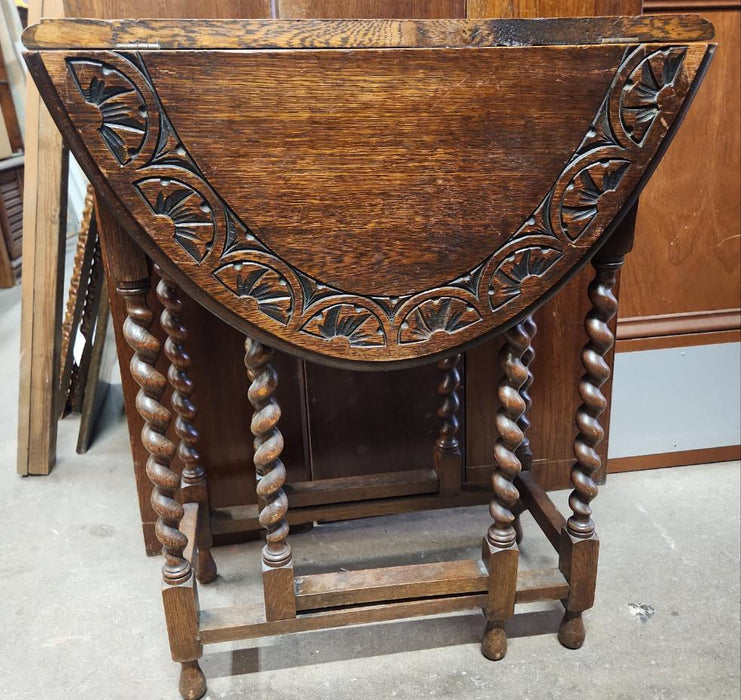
[(81, 274), (43, 258), (98, 378), (347, 34), (541, 507), (8, 114)]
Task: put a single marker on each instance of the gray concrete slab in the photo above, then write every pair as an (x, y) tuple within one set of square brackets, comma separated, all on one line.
[(81, 615)]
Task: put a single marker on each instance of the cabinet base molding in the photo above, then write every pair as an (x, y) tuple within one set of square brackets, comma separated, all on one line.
[(684, 458)]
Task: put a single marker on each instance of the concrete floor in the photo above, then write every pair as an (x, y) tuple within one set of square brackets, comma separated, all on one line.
[(81, 612)]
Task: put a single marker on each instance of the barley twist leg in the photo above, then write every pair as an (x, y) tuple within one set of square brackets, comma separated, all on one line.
[(524, 451), (177, 573), (277, 560), (193, 477), (591, 433), (161, 449), (580, 545), (500, 548), (447, 455), (129, 274), (501, 534)]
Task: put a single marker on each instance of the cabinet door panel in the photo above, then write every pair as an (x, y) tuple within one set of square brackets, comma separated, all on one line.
[(689, 217), (365, 423)]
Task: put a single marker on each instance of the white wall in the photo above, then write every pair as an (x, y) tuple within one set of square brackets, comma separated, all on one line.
[(676, 399)]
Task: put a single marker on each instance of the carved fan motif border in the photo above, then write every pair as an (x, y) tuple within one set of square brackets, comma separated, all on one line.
[(143, 150)]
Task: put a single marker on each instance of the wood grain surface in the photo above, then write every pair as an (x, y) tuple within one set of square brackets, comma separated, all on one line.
[(196, 9), (44, 229), (552, 8), (407, 150), (225, 445), (300, 271), (370, 9), (360, 33), (689, 221)]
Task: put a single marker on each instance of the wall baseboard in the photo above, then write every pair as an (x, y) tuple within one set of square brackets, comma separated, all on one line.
[(677, 324), (682, 340), (689, 5), (705, 455), (678, 330)]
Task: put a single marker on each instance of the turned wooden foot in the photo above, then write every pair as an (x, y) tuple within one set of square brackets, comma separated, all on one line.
[(571, 633), (206, 566), (494, 643), (192, 681)]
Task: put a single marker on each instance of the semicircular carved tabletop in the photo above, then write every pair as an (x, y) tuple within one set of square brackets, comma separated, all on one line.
[(373, 206)]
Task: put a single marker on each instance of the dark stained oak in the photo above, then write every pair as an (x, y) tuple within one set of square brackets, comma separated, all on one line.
[(193, 476), (483, 207), (203, 9), (407, 190), (246, 622), (277, 559), (370, 9), (500, 550), (501, 534), (182, 34), (447, 458), (601, 340), (524, 451)]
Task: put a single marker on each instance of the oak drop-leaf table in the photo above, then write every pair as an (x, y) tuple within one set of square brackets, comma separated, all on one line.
[(369, 194)]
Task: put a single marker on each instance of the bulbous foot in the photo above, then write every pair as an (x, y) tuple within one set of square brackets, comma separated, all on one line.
[(192, 681), (571, 633), (205, 566), (494, 643), (517, 525)]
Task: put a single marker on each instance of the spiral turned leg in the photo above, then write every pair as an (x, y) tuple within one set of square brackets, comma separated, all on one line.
[(579, 542), (524, 451), (500, 547), (277, 560), (161, 449), (178, 593), (193, 478), (447, 457), (591, 433)]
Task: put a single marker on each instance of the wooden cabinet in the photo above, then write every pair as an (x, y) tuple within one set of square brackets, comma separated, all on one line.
[(683, 280)]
